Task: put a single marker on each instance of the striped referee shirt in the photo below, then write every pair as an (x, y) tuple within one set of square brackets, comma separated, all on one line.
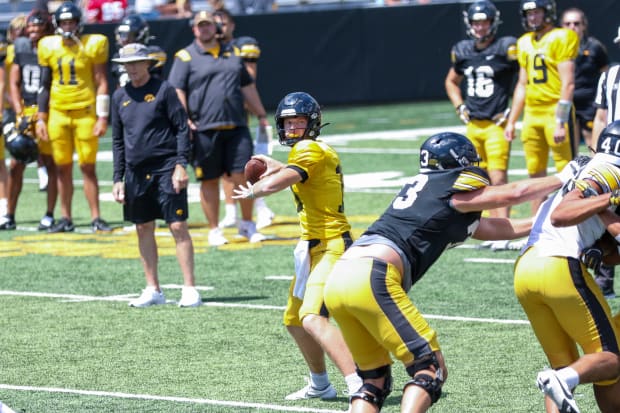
[(607, 93)]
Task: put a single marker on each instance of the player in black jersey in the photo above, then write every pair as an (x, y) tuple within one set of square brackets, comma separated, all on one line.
[(135, 29), (24, 83), (366, 292), (489, 67), (150, 143)]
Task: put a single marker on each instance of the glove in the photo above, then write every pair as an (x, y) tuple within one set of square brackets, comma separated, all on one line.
[(463, 112), (586, 189), (614, 199), (572, 169), (501, 118), (592, 258), (23, 124)]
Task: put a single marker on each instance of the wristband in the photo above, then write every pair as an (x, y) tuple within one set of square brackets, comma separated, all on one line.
[(102, 106), (562, 111)]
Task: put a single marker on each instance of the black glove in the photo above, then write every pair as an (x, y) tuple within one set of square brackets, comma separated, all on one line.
[(592, 258)]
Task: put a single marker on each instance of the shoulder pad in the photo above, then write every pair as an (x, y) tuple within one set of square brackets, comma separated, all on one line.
[(183, 55), (471, 178), (461, 49)]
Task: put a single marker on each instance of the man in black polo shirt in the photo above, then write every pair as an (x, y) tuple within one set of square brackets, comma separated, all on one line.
[(150, 142), (213, 85)]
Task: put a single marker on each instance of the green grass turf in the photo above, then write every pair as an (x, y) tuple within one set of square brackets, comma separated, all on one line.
[(74, 351)]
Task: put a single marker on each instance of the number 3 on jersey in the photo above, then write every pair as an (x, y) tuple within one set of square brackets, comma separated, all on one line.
[(415, 185)]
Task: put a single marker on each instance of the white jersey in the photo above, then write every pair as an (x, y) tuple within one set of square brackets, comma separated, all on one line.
[(608, 93), (572, 240)]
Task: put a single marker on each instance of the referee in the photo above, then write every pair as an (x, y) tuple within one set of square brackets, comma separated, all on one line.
[(150, 139)]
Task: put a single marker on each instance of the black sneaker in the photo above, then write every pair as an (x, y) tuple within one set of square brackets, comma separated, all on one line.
[(7, 224), (99, 224), (63, 225)]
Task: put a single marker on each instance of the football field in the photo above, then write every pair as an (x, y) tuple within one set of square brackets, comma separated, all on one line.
[(70, 343)]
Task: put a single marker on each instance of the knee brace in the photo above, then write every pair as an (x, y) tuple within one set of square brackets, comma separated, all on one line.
[(371, 393), (431, 385)]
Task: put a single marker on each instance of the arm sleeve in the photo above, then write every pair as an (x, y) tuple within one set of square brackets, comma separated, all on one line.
[(118, 142), (43, 94), (178, 119)]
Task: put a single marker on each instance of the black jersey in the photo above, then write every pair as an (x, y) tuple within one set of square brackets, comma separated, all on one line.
[(592, 57), (26, 59), (156, 70), (420, 220), (489, 74), (149, 128)]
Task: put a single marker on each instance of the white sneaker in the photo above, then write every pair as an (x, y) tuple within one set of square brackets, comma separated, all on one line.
[(248, 229), (229, 221), (150, 296), (557, 390), (264, 217), (310, 392), (216, 237), (190, 297)]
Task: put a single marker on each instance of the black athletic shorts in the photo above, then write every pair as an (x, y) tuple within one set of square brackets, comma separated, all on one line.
[(219, 152), (151, 196)]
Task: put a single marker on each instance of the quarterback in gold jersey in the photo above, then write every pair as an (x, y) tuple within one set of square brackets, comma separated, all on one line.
[(74, 107), (314, 174), (544, 90)]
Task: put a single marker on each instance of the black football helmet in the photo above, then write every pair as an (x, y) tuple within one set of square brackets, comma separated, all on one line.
[(547, 5), (447, 150), (132, 29), (68, 11), (609, 140), (482, 10), (298, 104), (22, 147)]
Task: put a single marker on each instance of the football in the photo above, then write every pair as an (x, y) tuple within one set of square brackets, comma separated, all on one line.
[(254, 169)]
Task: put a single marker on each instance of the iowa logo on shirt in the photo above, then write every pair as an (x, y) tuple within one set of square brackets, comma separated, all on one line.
[(149, 97)]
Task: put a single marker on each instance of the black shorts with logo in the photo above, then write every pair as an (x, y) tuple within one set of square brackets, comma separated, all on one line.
[(150, 196), (219, 152)]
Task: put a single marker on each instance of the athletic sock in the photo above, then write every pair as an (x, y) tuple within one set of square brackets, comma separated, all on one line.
[(319, 380), (570, 376)]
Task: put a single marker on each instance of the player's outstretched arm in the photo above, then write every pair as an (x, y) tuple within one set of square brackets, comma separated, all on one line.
[(493, 229)]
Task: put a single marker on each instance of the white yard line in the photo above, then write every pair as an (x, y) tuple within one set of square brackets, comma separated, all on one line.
[(118, 395), (128, 297)]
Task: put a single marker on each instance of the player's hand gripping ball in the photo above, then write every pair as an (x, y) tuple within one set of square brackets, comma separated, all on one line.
[(254, 168)]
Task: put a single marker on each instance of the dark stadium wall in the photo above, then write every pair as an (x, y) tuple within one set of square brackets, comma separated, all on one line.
[(366, 55)]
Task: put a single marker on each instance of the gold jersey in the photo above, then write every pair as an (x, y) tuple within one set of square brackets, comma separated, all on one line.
[(320, 194), (73, 82), (540, 59)]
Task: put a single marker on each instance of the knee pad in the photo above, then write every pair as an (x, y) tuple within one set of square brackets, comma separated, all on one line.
[(431, 385), (371, 393)]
